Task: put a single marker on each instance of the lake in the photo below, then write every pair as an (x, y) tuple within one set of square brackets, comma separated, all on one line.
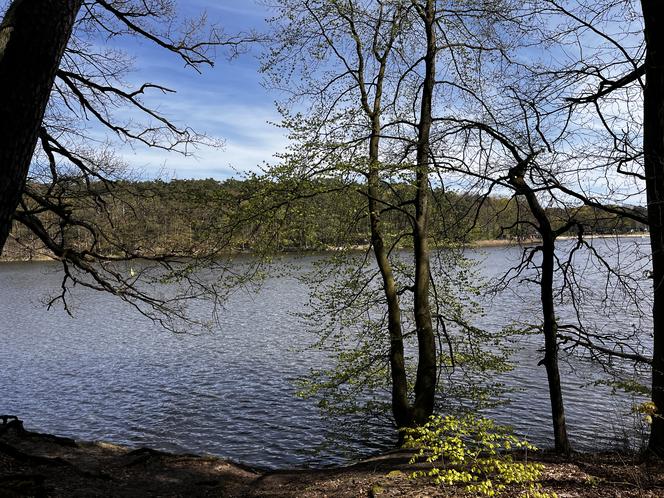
[(109, 374)]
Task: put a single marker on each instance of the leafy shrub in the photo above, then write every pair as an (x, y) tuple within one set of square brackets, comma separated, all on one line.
[(474, 452), (647, 410)]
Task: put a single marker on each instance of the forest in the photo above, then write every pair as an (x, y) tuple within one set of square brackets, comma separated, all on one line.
[(415, 129), (184, 213)]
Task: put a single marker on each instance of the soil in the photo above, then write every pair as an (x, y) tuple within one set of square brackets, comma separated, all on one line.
[(41, 465)]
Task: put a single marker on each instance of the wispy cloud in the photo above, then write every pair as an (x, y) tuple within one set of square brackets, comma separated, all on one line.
[(226, 102), (249, 141)]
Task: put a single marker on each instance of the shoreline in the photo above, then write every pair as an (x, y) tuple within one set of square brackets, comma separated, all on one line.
[(34, 464), (40, 257), (43, 258), (522, 242)]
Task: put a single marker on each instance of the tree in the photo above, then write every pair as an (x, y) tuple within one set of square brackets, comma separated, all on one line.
[(48, 192), (624, 71), (366, 72), (33, 37), (653, 165), (517, 178), (361, 38)]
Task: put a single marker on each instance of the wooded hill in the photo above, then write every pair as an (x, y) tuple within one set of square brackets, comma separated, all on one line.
[(188, 216)]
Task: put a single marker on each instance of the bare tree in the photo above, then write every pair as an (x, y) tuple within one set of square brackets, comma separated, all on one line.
[(621, 80), (523, 145), (82, 92), (33, 37)]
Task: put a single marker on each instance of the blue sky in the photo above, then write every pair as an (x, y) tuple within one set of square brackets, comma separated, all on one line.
[(226, 102)]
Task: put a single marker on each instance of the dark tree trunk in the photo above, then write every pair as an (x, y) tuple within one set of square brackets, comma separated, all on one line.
[(405, 414), (550, 330), (427, 373), (33, 36), (653, 148), (549, 324), (401, 409)]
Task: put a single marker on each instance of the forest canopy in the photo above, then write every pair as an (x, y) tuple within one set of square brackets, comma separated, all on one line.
[(185, 216)]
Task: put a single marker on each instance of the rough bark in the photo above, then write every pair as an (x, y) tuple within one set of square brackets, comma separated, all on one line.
[(653, 148), (425, 385), (33, 36)]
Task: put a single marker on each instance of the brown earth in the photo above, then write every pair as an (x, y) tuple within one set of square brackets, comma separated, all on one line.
[(41, 465)]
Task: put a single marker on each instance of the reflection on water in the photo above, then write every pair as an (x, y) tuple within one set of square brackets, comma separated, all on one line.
[(111, 375)]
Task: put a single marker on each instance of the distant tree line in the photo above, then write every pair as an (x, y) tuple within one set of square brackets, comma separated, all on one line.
[(186, 217)]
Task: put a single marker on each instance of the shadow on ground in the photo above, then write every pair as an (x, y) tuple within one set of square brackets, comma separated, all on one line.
[(40, 465)]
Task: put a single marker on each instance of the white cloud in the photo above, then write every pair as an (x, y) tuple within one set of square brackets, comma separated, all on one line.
[(249, 141)]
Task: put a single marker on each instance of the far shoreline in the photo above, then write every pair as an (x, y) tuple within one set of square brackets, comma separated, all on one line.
[(530, 241), (40, 257)]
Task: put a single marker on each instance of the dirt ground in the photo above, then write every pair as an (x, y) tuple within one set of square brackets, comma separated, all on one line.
[(41, 465)]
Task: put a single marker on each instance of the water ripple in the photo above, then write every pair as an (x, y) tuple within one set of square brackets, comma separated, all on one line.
[(112, 375)]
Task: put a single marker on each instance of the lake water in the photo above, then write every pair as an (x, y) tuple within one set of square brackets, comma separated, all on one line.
[(108, 374)]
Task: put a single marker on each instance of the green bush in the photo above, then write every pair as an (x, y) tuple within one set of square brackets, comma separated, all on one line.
[(474, 452)]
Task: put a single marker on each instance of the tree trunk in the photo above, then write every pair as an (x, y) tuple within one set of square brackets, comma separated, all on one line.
[(427, 373), (401, 409), (653, 148), (550, 330), (33, 36), (549, 325)]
